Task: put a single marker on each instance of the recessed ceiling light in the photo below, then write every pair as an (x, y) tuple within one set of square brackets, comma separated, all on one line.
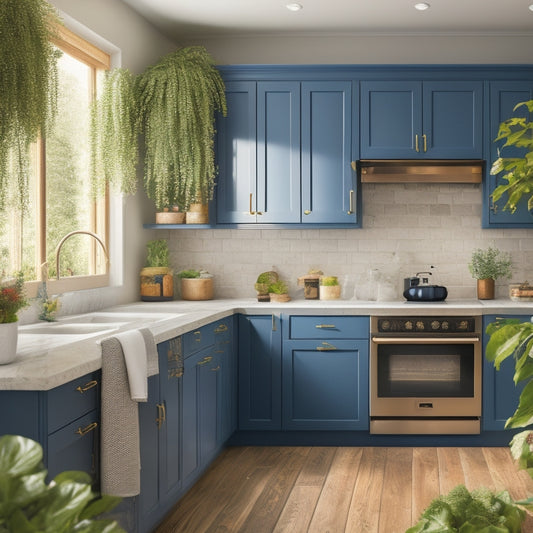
[(294, 7), (422, 6)]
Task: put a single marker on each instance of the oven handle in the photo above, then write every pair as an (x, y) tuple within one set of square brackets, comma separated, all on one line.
[(425, 340)]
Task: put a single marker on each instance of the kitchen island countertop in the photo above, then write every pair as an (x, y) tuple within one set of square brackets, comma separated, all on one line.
[(51, 354)]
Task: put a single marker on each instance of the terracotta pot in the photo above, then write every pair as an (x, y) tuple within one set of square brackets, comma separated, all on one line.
[(8, 341), (330, 292), (485, 289), (157, 284), (197, 288), (197, 214)]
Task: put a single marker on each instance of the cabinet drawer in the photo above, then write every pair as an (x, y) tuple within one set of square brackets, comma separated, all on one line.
[(328, 327), (198, 339), (72, 400)]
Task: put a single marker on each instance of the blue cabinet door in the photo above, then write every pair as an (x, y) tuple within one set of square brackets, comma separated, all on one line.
[(236, 154), (259, 372), (500, 395), (190, 446), (391, 119), (278, 153), (504, 96), (325, 385), (452, 120), (329, 192)]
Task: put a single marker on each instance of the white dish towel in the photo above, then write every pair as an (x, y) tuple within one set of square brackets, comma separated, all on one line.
[(135, 357)]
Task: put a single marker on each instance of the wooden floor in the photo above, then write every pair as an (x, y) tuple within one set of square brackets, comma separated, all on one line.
[(329, 489)]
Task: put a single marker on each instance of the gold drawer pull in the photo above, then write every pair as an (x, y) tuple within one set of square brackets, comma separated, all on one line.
[(326, 347), (325, 326), (86, 429), (352, 205), (88, 386), (250, 210), (198, 336), (215, 369), (205, 360), (221, 328), (162, 414), (307, 212)]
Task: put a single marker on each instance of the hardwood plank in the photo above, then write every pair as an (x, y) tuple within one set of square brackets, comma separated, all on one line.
[(334, 502), (269, 505), (363, 515), (425, 480), (475, 469), (395, 510), (316, 466), (450, 469)]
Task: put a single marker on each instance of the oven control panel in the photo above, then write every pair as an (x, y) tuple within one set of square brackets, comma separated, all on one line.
[(428, 325)]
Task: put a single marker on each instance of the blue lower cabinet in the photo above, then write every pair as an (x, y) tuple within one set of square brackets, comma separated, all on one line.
[(500, 395), (325, 385), (259, 372)]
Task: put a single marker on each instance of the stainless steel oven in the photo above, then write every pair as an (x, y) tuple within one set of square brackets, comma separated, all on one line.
[(425, 375)]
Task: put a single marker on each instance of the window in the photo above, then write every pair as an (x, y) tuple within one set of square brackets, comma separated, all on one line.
[(60, 199)]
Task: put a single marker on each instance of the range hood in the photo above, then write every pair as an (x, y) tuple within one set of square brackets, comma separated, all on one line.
[(421, 170)]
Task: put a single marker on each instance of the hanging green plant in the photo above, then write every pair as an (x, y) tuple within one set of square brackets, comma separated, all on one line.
[(28, 88), (114, 149), (178, 98)]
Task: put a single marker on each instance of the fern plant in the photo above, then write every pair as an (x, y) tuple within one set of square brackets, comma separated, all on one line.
[(28, 88), (178, 98), (114, 129)]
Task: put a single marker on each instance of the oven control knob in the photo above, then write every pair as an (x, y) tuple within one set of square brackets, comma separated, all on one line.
[(385, 325), (420, 325), (445, 325), (408, 325), (463, 325), (435, 325)]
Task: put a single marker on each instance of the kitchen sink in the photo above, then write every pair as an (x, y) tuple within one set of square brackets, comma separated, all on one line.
[(78, 328)]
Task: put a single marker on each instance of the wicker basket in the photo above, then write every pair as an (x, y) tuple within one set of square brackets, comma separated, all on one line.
[(197, 288), (197, 214)]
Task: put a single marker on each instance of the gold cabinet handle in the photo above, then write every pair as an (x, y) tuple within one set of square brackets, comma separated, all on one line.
[(88, 386), (205, 360), (351, 210), (416, 143), (325, 326), (197, 336), (221, 328), (424, 138), (307, 212), (326, 347), (87, 429), (354, 166), (161, 415), (215, 369), (250, 210)]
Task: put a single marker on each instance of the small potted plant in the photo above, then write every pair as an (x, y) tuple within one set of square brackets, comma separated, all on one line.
[(329, 288), (196, 284), (157, 279), (487, 266), (12, 299), (278, 292), (264, 280)]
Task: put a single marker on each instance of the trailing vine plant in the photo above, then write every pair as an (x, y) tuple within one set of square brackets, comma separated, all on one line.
[(28, 89), (114, 130), (178, 99)]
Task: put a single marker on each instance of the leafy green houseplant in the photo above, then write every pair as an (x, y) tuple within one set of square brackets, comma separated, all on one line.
[(157, 278), (487, 266), (517, 171), (278, 291), (329, 288), (479, 511), (264, 280), (113, 133), (178, 99), (28, 90), (28, 504), (196, 284)]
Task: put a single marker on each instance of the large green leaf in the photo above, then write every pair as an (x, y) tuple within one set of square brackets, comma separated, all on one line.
[(523, 416), (19, 456), (502, 344), (100, 506)]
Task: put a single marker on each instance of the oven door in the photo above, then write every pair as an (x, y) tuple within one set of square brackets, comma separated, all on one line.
[(429, 379)]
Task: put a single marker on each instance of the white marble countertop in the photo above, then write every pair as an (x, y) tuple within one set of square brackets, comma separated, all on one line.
[(51, 354)]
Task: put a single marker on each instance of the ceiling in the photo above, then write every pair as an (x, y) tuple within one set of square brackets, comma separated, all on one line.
[(199, 18)]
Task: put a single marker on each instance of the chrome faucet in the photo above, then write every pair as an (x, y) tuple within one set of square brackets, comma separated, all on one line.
[(79, 232)]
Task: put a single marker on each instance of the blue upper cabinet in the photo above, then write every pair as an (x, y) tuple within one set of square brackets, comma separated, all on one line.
[(421, 120), (236, 154), (328, 180), (504, 95)]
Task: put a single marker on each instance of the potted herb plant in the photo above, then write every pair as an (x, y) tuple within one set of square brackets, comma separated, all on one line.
[(30, 504), (517, 171), (264, 280), (12, 299), (178, 99), (157, 278), (487, 266), (279, 292), (28, 92), (196, 284), (329, 288)]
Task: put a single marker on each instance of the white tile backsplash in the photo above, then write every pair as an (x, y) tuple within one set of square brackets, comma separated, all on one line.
[(406, 228)]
